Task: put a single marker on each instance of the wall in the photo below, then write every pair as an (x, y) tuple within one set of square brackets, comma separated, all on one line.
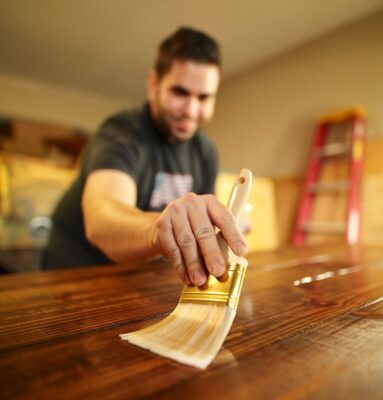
[(265, 116), (269, 110), (43, 102)]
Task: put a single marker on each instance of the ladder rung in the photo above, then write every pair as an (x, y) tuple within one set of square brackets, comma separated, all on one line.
[(333, 149), (324, 227), (336, 186)]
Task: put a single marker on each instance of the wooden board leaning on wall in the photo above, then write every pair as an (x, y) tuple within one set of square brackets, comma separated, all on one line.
[(258, 220), (29, 187)]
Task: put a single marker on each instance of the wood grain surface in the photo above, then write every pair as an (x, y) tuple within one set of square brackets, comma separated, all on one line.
[(309, 325)]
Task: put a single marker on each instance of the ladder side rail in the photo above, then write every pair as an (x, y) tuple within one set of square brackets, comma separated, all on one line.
[(312, 175), (353, 210)]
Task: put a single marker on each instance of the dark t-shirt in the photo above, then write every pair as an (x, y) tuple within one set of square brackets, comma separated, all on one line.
[(130, 142)]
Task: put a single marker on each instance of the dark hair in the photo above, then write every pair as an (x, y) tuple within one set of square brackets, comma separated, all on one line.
[(189, 45)]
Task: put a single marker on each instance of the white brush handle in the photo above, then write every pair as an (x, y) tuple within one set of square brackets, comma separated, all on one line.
[(238, 196), (239, 192)]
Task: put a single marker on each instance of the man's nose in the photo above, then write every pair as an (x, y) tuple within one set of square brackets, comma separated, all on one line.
[(192, 106)]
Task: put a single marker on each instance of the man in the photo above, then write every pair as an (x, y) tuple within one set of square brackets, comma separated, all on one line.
[(143, 187)]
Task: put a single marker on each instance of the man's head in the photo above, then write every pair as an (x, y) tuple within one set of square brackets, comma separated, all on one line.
[(184, 83)]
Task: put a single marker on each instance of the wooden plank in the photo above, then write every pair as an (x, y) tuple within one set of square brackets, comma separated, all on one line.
[(287, 195), (302, 327), (340, 359), (66, 306), (372, 209)]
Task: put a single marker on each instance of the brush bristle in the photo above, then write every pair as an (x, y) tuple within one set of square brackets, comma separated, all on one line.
[(192, 334)]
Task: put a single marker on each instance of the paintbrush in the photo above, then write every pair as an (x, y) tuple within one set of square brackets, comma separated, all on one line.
[(195, 331)]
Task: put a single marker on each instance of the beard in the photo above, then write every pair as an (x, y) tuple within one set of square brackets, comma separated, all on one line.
[(174, 126)]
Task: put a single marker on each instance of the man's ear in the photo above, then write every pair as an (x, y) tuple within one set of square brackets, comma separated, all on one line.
[(152, 84)]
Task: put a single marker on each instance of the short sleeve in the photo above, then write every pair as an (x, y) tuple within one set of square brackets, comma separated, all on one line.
[(116, 146), (210, 164), (212, 171)]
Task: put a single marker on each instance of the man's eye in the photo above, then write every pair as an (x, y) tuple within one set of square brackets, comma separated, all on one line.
[(203, 97), (180, 92)]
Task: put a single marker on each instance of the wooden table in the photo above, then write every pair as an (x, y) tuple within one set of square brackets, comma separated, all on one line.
[(309, 325)]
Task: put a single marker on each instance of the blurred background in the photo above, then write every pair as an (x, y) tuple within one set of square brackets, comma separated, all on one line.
[(66, 66)]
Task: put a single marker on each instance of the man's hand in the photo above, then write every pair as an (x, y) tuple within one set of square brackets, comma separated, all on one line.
[(185, 233)]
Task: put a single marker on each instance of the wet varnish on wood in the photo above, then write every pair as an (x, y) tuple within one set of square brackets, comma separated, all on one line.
[(309, 325)]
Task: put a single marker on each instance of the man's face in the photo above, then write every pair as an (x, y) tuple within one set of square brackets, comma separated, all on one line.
[(184, 98)]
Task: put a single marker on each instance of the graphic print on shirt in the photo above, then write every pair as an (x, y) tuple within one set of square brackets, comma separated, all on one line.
[(168, 187)]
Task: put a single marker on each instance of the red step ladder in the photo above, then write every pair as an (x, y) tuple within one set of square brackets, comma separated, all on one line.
[(324, 149)]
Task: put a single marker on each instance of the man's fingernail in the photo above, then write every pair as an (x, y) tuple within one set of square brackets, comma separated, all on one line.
[(240, 249), (217, 269), (198, 278)]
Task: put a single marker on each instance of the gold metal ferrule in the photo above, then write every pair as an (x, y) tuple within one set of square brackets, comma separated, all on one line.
[(225, 291)]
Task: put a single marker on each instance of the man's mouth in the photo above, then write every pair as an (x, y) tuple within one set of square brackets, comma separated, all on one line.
[(185, 124)]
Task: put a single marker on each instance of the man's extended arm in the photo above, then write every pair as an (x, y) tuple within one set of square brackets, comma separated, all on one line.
[(184, 232), (112, 221)]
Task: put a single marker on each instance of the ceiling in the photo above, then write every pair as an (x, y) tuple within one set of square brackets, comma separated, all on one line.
[(107, 47)]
